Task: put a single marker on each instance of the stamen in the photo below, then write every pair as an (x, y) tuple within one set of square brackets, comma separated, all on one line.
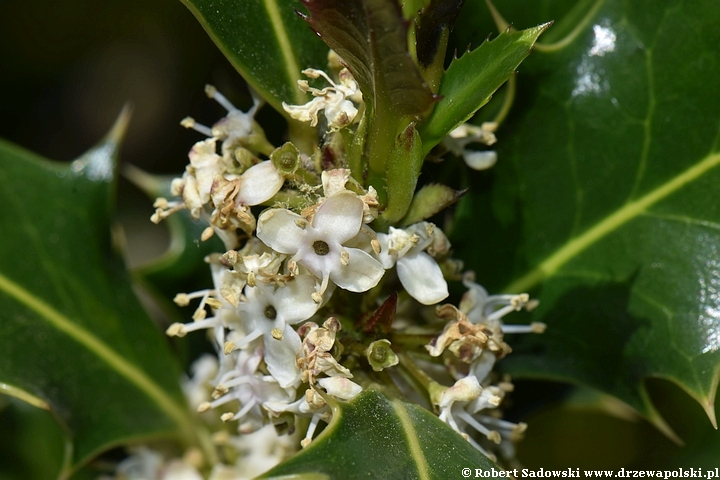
[(189, 122), (248, 406), (518, 329), (248, 338), (207, 234), (310, 431), (212, 92), (245, 379), (472, 422)]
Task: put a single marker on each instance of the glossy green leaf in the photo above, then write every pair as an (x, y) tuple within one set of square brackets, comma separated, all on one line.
[(376, 437), (266, 41), (605, 203), (32, 444), (72, 333), (470, 81)]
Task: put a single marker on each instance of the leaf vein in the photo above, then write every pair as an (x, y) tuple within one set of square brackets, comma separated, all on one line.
[(92, 343), (412, 438), (612, 222), (291, 65), (647, 125), (684, 219)]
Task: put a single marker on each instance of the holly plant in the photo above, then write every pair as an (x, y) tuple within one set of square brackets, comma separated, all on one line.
[(414, 228)]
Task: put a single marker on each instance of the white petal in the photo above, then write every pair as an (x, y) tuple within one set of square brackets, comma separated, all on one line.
[(340, 387), (464, 390), (278, 230), (179, 470), (422, 278), (480, 160), (482, 365), (333, 181), (361, 273), (280, 357), (260, 183), (387, 260), (294, 302), (339, 217)]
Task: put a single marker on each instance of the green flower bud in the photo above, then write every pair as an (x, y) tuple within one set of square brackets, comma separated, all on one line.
[(380, 355), (286, 159)]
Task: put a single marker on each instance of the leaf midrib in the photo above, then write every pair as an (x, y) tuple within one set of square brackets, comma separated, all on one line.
[(412, 438), (101, 350), (290, 62), (629, 211)]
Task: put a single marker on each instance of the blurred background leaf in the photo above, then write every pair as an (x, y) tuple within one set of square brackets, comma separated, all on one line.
[(72, 333)]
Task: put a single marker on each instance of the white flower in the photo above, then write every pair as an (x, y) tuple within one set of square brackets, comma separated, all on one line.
[(236, 129), (340, 387), (339, 111), (468, 133), (146, 464), (258, 452), (242, 382), (196, 388), (318, 246), (489, 309), (418, 272), (459, 408), (268, 312)]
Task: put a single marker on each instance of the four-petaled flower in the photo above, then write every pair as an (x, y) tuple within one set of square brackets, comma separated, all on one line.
[(418, 272), (268, 312), (318, 244)]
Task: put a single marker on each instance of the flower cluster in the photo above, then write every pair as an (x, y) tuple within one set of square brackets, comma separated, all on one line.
[(290, 330)]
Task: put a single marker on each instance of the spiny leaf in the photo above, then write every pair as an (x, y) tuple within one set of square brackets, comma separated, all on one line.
[(373, 436), (470, 81), (71, 331), (606, 204)]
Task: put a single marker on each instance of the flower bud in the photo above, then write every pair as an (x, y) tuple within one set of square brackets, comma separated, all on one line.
[(286, 159), (380, 355)]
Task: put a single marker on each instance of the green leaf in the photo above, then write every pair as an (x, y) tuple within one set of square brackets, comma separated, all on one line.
[(606, 204), (470, 81), (373, 436), (428, 201), (371, 36), (266, 41), (433, 23), (403, 170), (71, 330), (32, 444)]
